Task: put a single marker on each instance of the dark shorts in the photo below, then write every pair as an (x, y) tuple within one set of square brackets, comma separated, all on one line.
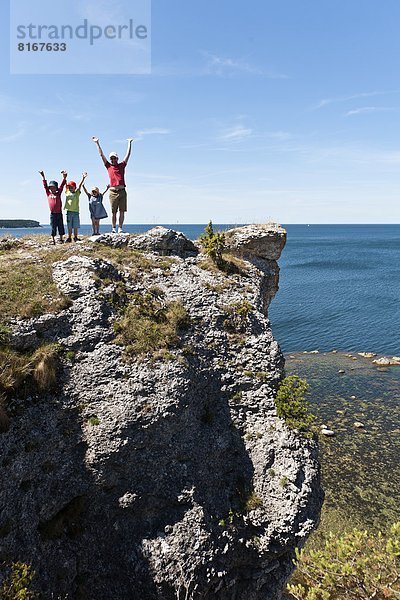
[(56, 222), (118, 200)]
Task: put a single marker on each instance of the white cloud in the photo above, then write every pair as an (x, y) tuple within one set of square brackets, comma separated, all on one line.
[(223, 65), (155, 131), (367, 109), (151, 131), (16, 135), (279, 135), (326, 101), (237, 133), (212, 64)]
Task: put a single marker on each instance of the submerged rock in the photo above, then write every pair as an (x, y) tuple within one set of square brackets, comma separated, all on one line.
[(386, 361), (149, 477), (327, 432)]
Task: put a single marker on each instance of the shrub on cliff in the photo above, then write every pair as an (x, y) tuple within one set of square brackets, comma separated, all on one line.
[(18, 585), (355, 565), (291, 404), (213, 245), (237, 316)]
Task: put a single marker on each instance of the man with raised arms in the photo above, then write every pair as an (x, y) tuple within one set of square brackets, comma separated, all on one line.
[(116, 173)]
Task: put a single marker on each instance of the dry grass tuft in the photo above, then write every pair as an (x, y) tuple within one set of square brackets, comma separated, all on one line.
[(230, 265), (149, 325), (46, 361), (20, 373), (14, 370)]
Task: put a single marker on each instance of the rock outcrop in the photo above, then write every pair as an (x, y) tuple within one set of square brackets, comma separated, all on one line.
[(159, 240), (158, 477)]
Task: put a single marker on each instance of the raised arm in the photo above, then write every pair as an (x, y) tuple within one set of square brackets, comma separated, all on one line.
[(103, 158), (85, 190), (44, 181), (128, 152), (84, 175), (106, 190), (64, 180)]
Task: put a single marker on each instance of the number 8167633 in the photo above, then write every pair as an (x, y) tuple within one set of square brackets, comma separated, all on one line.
[(42, 47)]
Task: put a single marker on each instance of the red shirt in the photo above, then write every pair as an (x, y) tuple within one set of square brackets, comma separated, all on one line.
[(116, 173), (54, 200)]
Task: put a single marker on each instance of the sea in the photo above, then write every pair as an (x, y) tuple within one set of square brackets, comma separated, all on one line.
[(339, 296)]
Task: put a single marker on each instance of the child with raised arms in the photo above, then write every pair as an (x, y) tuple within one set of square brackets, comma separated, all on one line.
[(53, 193), (96, 208), (72, 207)]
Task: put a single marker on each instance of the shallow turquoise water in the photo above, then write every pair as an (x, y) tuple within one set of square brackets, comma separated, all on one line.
[(360, 467)]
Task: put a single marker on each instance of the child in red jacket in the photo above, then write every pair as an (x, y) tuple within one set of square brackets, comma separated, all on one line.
[(53, 193)]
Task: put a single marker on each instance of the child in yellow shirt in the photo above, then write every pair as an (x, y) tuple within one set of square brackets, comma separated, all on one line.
[(72, 207)]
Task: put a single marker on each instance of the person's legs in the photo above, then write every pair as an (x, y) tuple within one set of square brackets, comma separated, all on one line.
[(94, 225), (113, 197), (122, 205), (69, 226), (60, 226), (75, 224), (97, 226), (53, 227)]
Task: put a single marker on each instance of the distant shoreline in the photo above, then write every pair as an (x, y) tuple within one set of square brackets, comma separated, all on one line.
[(18, 224)]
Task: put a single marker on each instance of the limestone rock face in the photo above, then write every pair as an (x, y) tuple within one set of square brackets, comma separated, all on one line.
[(261, 245), (149, 478), (159, 239), (263, 241)]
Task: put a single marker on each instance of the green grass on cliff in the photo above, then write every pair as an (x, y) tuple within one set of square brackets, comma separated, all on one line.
[(149, 324), (27, 288)]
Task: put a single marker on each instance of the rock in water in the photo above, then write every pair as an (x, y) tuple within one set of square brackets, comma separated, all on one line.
[(385, 361), (146, 477), (327, 432)]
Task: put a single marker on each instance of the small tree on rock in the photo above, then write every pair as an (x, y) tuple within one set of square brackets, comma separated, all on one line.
[(213, 245)]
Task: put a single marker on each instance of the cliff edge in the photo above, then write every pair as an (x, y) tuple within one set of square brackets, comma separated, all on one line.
[(154, 466)]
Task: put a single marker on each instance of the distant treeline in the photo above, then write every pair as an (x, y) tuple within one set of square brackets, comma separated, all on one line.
[(10, 223)]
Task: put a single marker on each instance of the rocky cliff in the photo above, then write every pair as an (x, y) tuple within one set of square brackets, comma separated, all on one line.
[(148, 473)]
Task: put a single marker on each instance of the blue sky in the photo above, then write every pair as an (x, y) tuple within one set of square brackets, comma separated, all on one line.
[(253, 111)]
